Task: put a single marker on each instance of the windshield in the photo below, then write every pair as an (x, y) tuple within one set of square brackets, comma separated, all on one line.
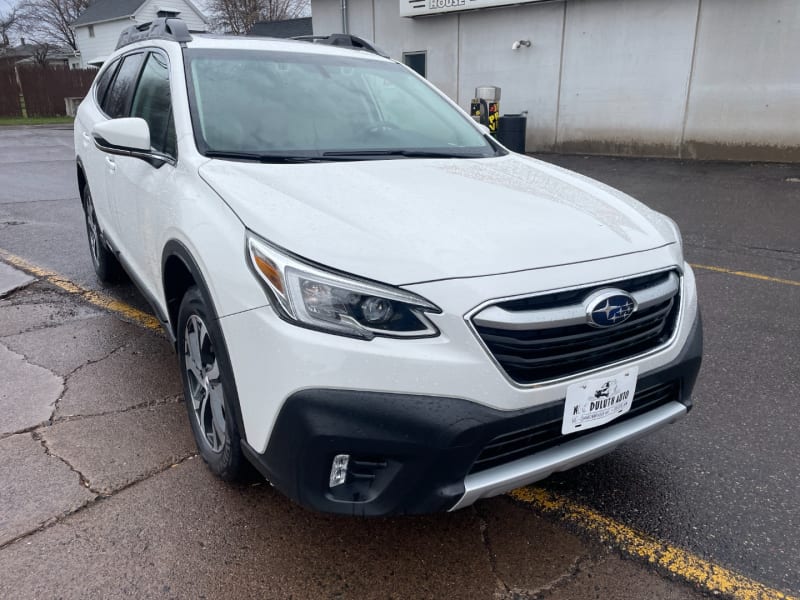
[(262, 104)]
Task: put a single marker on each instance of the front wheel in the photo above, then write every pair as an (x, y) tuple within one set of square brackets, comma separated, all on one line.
[(208, 387)]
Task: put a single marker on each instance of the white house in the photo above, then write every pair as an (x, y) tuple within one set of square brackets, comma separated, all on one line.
[(97, 29)]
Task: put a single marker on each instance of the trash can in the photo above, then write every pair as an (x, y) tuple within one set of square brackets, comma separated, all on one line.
[(511, 131)]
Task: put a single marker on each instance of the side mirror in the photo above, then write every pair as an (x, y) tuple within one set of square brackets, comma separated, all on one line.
[(128, 137), (125, 134)]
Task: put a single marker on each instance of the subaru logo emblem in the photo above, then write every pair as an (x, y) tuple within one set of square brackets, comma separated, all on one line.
[(609, 307)]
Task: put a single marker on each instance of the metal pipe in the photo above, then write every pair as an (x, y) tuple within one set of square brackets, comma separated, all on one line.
[(344, 16)]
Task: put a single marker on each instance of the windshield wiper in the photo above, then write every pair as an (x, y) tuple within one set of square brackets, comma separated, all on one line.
[(263, 158), (362, 154), (344, 155)]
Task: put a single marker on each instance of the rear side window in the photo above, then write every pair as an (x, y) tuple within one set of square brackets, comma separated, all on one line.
[(117, 101), (104, 80), (151, 102)]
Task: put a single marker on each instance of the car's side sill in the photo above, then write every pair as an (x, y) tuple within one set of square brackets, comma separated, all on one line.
[(565, 456), (137, 282)]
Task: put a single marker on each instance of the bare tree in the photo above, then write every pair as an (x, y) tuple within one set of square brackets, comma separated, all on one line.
[(8, 21), (40, 53), (239, 16), (49, 20)]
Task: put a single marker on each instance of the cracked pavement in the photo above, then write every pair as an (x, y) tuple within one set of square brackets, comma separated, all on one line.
[(103, 495)]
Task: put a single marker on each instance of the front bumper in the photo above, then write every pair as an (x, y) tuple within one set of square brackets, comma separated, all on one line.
[(414, 453)]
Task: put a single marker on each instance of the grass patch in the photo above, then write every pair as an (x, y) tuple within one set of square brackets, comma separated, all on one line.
[(12, 121)]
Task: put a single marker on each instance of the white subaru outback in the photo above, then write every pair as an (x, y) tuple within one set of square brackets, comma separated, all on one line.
[(372, 301)]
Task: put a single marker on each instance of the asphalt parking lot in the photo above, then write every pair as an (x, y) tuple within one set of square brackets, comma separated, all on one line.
[(101, 494)]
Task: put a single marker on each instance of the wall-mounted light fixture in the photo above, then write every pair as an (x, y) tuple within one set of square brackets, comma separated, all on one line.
[(520, 43)]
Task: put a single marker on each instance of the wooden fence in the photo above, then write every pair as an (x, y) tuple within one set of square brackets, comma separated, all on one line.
[(43, 89), (9, 93)]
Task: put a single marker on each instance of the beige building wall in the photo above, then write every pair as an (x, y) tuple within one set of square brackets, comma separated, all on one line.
[(683, 78)]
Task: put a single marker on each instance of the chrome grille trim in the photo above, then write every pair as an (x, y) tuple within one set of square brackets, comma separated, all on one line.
[(658, 279), (573, 314)]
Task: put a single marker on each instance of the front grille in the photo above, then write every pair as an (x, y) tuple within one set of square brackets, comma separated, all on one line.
[(546, 433), (531, 346)]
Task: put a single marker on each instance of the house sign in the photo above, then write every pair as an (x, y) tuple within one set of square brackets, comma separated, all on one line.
[(419, 8)]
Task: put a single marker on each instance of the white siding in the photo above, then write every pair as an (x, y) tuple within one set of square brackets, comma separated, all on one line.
[(104, 41), (106, 34), (149, 10)]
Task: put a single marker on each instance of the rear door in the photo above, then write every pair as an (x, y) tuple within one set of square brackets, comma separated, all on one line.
[(117, 104), (90, 113)]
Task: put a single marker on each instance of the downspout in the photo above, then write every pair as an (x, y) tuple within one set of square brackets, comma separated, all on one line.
[(344, 16)]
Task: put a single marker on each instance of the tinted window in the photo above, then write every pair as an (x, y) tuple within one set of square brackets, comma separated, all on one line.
[(118, 99), (151, 102), (104, 80)]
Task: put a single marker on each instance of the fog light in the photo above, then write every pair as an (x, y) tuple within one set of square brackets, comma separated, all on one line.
[(339, 469)]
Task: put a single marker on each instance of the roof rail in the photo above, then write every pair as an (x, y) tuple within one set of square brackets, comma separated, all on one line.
[(168, 28), (343, 40)]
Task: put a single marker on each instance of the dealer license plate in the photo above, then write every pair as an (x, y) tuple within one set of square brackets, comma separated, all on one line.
[(596, 402)]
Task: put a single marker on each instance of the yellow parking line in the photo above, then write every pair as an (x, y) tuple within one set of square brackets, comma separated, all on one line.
[(746, 274), (99, 299), (691, 568), (685, 565)]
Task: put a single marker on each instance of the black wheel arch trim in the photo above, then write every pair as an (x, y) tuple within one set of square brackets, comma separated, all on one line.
[(176, 249)]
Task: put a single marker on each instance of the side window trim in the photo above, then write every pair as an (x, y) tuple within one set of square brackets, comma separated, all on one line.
[(120, 59), (112, 68)]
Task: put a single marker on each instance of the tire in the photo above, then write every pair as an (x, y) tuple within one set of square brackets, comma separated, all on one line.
[(208, 388), (106, 265)]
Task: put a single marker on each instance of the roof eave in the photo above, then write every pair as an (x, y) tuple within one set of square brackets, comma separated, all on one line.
[(121, 18)]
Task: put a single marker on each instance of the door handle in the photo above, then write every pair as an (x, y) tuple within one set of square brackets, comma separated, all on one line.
[(112, 165), (86, 139)]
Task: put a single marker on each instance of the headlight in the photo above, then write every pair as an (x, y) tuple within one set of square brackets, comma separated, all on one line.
[(315, 297)]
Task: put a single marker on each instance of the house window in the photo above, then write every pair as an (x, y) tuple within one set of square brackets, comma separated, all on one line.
[(416, 61), (91, 30), (169, 14)]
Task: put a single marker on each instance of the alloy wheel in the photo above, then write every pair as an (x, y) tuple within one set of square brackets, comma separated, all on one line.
[(204, 384)]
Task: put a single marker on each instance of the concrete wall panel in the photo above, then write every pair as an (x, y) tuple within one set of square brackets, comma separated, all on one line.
[(438, 36), (380, 21), (326, 17), (626, 68), (361, 18), (694, 78), (528, 76), (745, 94)]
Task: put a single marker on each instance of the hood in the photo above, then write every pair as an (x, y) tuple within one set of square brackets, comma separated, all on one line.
[(407, 221)]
